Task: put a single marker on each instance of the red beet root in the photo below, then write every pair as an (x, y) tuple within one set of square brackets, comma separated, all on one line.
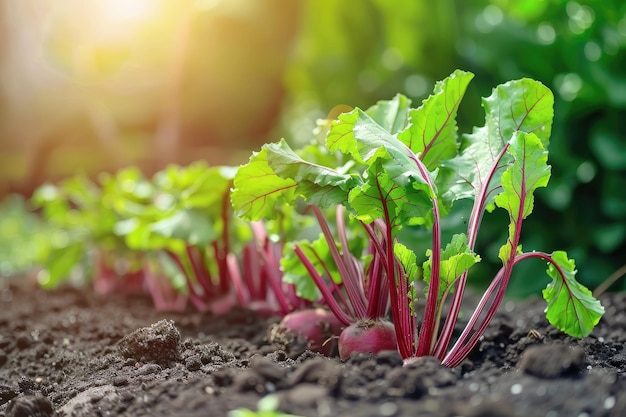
[(315, 329), (367, 336)]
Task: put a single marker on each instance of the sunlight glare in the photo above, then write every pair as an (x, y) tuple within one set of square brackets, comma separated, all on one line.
[(127, 10)]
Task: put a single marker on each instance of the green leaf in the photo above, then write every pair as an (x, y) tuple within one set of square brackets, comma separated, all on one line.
[(55, 206), (392, 114), (189, 225), (195, 186), (408, 260), (130, 194), (571, 307), (381, 197), (139, 236), (522, 105), (181, 206), (392, 182), (267, 407), (432, 133), (268, 403), (257, 189), (528, 171), (318, 184), (277, 175), (456, 258), (82, 190), (360, 136), (60, 263)]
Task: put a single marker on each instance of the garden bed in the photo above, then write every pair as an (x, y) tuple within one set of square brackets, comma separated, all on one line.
[(70, 353)]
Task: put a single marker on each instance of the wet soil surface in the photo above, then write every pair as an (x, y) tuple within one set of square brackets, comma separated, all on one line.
[(68, 353)]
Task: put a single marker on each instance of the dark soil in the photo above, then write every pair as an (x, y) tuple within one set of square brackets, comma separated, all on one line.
[(67, 353)]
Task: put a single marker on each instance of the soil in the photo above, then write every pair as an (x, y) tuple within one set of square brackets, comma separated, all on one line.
[(71, 353)]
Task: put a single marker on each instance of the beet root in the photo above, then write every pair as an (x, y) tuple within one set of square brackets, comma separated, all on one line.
[(314, 329), (367, 336)]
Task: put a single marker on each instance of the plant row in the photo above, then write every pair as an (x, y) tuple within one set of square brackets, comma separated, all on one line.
[(320, 234)]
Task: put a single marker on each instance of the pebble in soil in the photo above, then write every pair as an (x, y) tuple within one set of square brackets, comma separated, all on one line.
[(158, 343), (31, 406), (552, 361)]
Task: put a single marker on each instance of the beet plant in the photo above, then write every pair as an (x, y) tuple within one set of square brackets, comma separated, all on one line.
[(173, 236), (336, 269), (182, 221), (351, 281), (168, 218), (405, 167), (81, 244)]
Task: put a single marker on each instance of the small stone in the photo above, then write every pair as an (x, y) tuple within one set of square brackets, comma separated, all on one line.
[(83, 403), (618, 360), (248, 380), (270, 371), (306, 395), (318, 370), (149, 368), (7, 393), (3, 357), (419, 377), (159, 343), (489, 408), (388, 409), (30, 406), (120, 381), (23, 341), (193, 363), (26, 385), (552, 361)]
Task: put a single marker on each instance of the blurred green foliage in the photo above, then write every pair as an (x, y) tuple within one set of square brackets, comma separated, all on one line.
[(357, 52), (73, 210), (267, 407), (23, 237), (578, 49)]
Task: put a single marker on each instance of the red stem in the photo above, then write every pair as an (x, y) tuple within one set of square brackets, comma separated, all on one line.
[(274, 277), (242, 292), (346, 269), (321, 285), (222, 268), (376, 287), (352, 264), (201, 273), (397, 292), (195, 298), (164, 296), (222, 252), (336, 288), (251, 271), (462, 347), (472, 233), (270, 253), (427, 331)]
